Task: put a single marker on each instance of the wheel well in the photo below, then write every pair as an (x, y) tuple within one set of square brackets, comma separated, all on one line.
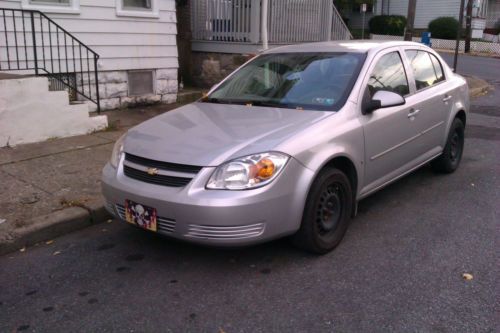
[(345, 165), (461, 115)]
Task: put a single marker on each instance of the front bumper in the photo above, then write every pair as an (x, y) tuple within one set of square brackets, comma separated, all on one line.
[(216, 217)]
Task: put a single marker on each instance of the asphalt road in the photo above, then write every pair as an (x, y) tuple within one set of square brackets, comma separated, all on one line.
[(398, 269)]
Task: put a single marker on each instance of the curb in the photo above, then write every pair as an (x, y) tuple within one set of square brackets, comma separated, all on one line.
[(54, 225), (481, 86)]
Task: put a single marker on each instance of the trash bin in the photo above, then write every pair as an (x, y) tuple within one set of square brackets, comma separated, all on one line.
[(426, 38)]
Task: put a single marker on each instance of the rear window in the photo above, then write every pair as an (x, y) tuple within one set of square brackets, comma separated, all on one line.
[(426, 71)]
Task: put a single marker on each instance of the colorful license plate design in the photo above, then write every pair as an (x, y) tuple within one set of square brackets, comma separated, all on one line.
[(143, 216)]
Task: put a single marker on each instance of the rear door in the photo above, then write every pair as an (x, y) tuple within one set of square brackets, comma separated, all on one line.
[(433, 99)]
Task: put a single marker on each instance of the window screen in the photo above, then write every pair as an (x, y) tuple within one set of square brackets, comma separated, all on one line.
[(389, 74), (145, 4), (140, 83)]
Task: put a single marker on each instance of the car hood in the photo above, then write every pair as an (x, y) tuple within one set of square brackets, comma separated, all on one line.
[(207, 134)]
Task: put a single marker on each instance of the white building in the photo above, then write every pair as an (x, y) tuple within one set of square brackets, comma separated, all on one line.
[(135, 41), (484, 13)]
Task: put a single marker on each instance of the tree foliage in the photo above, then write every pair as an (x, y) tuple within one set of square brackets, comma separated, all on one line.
[(444, 27), (387, 25)]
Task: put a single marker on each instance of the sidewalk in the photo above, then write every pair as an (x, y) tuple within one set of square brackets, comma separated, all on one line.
[(51, 188)]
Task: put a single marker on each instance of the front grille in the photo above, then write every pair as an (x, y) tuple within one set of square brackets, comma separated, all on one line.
[(235, 232), (155, 179), (162, 165), (164, 225)]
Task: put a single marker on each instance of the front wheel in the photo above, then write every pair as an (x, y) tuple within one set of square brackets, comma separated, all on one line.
[(327, 212), (450, 159)]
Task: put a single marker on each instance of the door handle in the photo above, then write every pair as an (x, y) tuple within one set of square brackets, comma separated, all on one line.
[(413, 113), (446, 98)]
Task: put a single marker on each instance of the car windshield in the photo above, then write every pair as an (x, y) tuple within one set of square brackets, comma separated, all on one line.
[(309, 81)]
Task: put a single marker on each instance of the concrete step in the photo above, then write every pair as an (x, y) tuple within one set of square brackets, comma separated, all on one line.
[(29, 112)]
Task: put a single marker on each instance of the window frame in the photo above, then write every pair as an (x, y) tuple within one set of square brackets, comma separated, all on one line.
[(73, 7), (410, 69), (154, 12)]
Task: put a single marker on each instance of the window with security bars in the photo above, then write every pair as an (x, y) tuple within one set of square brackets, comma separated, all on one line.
[(137, 4), (140, 83)]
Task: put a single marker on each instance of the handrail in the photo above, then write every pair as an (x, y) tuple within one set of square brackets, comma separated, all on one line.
[(337, 13), (47, 51)]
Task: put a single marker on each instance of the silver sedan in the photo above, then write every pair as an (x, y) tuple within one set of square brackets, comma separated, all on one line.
[(289, 143)]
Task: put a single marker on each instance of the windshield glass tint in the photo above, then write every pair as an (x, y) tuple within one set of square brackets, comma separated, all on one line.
[(314, 81)]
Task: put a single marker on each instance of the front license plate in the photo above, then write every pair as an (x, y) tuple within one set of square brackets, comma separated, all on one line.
[(141, 215)]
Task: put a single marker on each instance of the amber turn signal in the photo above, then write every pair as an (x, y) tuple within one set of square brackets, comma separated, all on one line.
[(265, 168)]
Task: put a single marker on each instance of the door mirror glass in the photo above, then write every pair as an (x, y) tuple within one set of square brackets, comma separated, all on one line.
[(384, 99)]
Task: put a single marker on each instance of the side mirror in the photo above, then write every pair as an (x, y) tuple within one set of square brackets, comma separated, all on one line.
[(383, 99)]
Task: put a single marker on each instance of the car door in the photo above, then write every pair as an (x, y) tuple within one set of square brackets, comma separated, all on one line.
[(432, 98), (389, 133)]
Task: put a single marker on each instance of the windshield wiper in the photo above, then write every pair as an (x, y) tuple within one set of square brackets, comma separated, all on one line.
[(268, 104), (216, 100), (244, 102)]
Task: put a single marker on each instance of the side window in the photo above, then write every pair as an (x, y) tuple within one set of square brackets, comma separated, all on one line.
[(438, 69), (425, 71), (389, 74)]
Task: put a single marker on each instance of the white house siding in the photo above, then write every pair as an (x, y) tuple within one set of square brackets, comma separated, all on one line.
[(426, 10), (124, 43)]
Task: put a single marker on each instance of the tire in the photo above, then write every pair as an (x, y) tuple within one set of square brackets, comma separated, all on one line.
[(326, 214), (450, 159)]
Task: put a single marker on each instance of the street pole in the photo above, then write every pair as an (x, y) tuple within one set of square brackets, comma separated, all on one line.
[(468, 26), (363, 10), (265, 4), (410, 20), (459, 34)]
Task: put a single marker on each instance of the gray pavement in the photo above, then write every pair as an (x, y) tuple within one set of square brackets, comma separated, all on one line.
[(399, 268)]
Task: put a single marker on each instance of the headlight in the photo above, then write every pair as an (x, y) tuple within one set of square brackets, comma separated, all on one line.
[(117, 152), (248, 172)]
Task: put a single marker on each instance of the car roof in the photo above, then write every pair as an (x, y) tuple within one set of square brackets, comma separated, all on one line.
[(355, 46)]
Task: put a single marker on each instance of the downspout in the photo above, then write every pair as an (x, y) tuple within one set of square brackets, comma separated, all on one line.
[(263, 29)]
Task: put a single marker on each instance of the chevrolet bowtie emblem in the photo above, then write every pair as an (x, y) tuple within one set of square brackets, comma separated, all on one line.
[(152, 171)]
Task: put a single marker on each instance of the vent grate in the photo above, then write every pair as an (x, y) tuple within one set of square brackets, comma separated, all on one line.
[(162, 165), (155, 179)]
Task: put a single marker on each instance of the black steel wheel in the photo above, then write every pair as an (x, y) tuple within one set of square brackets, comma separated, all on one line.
[(450, 159), (327, 212)]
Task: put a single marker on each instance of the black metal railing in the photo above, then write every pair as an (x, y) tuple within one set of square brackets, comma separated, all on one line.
[(30, 40)]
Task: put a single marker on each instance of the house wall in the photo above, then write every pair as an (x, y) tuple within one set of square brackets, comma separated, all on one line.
[(124, 42), (426, 10), (493, 19)]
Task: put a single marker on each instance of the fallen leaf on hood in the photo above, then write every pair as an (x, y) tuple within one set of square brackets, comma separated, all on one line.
[(467, 276)]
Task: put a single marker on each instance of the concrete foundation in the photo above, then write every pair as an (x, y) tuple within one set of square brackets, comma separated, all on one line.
[(114, 89)]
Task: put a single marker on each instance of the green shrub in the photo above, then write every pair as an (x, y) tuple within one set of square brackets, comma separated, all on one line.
[(444, 28), (387, 25)]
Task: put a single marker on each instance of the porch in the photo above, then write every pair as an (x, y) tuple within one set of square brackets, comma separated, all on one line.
[(235, 26)]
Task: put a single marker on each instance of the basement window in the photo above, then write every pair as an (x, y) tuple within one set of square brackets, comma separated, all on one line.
[(140, 83)]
